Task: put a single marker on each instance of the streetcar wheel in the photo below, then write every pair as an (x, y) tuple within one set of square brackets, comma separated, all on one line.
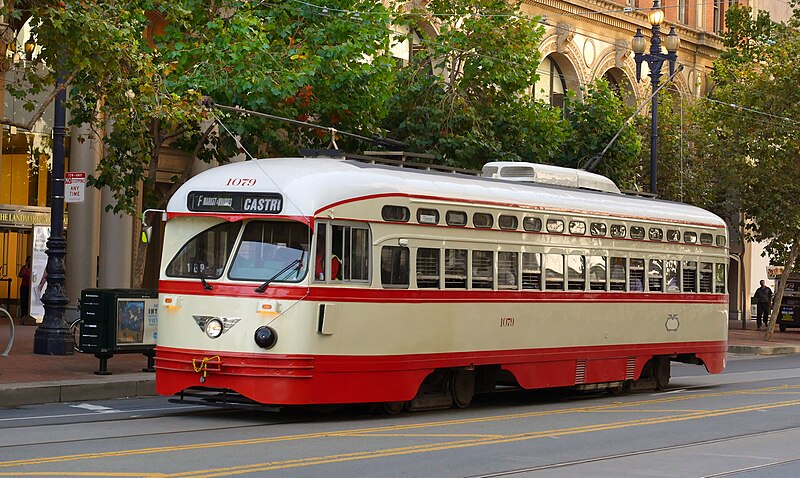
[(462, 386), (783, 328), (662, 373), (392, 408)]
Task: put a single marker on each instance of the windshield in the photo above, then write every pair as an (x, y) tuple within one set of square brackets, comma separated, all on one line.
[(206, 254), (267, 248)]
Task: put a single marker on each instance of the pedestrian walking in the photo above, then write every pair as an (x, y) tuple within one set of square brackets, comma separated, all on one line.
[(24, 275), (763, 298)]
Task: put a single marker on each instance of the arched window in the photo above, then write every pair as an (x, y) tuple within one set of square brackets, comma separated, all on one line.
[(551, 86)]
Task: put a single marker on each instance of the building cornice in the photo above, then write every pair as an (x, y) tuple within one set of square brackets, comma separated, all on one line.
[(609, 15)]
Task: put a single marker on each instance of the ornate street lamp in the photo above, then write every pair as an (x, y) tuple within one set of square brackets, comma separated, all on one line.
[(655, 59), (53, 337)]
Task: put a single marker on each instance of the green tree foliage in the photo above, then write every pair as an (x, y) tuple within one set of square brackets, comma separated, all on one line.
[(757, 115), (593, 123), (689, 168), (465, 94), (136, 72), (143, 66)]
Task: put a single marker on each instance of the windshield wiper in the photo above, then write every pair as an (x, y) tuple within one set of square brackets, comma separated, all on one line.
[(206, 285), (263, 287)]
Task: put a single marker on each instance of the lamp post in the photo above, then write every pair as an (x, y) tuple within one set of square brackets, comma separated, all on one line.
[(52, 337), (655, 60)]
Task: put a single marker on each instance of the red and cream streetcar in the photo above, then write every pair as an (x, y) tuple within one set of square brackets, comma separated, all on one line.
[(324, 281)]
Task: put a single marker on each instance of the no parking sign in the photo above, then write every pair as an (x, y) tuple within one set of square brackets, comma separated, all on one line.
[(74, 187)]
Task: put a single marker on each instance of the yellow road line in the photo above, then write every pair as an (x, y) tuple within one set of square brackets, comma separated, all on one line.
[(278, 465), (423, 435), (391, 428)]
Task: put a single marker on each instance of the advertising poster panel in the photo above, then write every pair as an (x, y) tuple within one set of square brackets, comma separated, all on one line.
[(137, 321), (38, 273)]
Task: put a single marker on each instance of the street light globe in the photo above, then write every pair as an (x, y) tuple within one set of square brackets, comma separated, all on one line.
[(639, 43), (656, 16), (673, 40)]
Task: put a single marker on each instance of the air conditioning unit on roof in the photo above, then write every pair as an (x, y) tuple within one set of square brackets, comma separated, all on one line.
[(547, 174)]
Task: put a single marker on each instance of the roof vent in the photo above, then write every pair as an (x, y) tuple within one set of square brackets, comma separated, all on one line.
[(547, 174)]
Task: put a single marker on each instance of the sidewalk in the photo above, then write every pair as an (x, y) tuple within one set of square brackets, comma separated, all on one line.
[(26, 378)]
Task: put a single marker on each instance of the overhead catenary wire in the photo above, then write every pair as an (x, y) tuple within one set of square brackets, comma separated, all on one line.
[(386, 142)]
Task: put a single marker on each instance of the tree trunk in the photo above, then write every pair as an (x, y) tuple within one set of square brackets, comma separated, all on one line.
[(778, 297)]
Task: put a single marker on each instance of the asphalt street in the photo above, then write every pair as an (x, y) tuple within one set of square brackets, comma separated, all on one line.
[(742, 423)]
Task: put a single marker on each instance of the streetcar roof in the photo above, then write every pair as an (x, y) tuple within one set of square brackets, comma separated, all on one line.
[(309, 185)]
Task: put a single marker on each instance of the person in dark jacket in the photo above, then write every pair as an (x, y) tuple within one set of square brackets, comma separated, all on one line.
[(763, 297), (24, 275)]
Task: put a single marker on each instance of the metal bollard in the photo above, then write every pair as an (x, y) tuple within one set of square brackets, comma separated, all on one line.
[(10, 339)]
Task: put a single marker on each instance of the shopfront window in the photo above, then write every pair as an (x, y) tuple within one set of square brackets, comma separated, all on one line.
[(25, 168)]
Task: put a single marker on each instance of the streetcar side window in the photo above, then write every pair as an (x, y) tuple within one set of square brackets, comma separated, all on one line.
[(427, 216), (598, 229), (637, 232), (322, 266), (689, 276), (617, 266), (482, 269), (690, 237), (532, 224), (350, 246), (206, 253), (394, 267), (532, 270), (597, 272), (656, 234), (455, 218), (455, 268), (721, 241), (719, 278), (706, 239), (655, 275), (577, 227), (706, 276), (507, 266), (508, 222), (555, 225), (576, 272), (636, 274), (271, 250), (395, 213), (672, 275), (428, 268), (554, 271), (482, 220)]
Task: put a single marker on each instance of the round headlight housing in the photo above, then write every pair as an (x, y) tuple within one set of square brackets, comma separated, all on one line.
[(214, 328), (265, 337)]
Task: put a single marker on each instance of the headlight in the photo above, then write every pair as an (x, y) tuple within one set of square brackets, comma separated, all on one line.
[(265, 337), (214, 328)]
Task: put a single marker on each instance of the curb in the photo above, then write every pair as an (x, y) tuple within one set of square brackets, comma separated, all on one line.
[(136, 385)]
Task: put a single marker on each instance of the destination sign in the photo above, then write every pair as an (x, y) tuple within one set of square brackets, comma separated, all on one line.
[(230, 201)]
